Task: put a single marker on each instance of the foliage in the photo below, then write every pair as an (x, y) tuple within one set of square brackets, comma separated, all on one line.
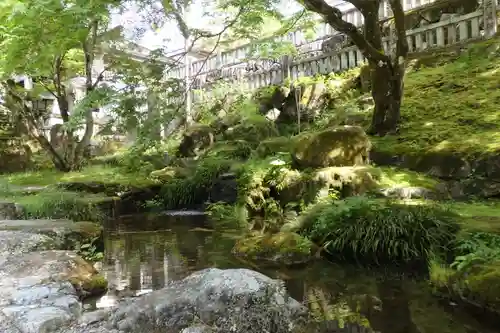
[(383, 231), (185, 192), (90, 250), (227, 216), (475, 248), (53, 53), (234, 150)]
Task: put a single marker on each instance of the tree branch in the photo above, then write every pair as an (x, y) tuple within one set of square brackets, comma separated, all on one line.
[(100, 76), (46, 87), (333, 16), (399, 22)]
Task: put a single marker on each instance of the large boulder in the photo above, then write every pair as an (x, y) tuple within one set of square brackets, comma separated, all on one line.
[(253, 130), (311, 186), (14, 156), (232, 300), (340, 146)]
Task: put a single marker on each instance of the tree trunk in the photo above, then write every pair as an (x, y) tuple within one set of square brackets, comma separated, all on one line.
[(18, 104), (387, 88)]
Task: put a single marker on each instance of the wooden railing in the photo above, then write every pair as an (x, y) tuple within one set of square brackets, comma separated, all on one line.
[(239, 55), (458, 29)]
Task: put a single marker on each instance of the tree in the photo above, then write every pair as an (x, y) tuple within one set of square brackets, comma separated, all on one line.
[(387, 71), (54, 42)]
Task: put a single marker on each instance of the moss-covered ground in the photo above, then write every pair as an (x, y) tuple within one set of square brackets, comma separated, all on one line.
[(448, 106), (94, 173), (37, 193)]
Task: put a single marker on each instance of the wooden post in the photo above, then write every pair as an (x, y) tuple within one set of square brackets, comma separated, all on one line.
[(187, 71), (285, 67), (490, 18)]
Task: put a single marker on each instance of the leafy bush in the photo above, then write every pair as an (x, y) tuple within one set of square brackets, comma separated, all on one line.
[(238, 149), (182, 192), (381, 232), (228, 216), (475, 248)]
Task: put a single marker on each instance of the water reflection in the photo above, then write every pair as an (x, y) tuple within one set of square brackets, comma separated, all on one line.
[(144, 253)]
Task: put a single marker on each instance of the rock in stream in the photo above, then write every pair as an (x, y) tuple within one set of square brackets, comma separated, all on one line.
[(40, 293)]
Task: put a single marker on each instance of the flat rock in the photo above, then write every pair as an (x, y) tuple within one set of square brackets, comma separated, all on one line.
[(409, 193), (64, 233)]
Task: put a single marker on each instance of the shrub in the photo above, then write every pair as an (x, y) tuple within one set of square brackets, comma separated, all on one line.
[(380, 232), (228, 216), (181, 192), (238, 149)]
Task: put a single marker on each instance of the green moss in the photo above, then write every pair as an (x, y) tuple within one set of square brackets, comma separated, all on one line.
[(451, 108), (280, 248), (96, 285), (94, 173), (273, 146), (253, 129), (479, 287), (341, 146), (62, 204), (480, 215), (395, 177)]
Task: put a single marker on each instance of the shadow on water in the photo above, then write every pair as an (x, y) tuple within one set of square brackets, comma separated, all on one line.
[(143, 253)]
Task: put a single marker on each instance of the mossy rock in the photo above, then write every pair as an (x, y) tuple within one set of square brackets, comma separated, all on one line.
[(341, 146), (84, 277), (311, 186), (273, 146), (480, 287), (282, 248), (196, 139), (170, 173), (96, 285), (252, 130)]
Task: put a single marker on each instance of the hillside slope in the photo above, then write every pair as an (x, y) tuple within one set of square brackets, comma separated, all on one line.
[(451, 106)]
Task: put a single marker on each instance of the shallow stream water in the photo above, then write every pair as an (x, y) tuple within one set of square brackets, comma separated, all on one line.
[(144, 252)]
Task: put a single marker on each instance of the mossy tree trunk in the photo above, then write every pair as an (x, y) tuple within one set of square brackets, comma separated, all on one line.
[(387, 71)]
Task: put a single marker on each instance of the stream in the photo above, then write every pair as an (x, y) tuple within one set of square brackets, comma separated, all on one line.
[(144, 252)]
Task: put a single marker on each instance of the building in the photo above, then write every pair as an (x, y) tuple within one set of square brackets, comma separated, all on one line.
[(46, 104)]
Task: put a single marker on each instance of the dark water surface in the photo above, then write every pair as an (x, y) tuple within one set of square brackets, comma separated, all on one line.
[(143, 253)]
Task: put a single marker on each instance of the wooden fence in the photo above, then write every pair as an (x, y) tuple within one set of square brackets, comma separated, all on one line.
[(311, 59)]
